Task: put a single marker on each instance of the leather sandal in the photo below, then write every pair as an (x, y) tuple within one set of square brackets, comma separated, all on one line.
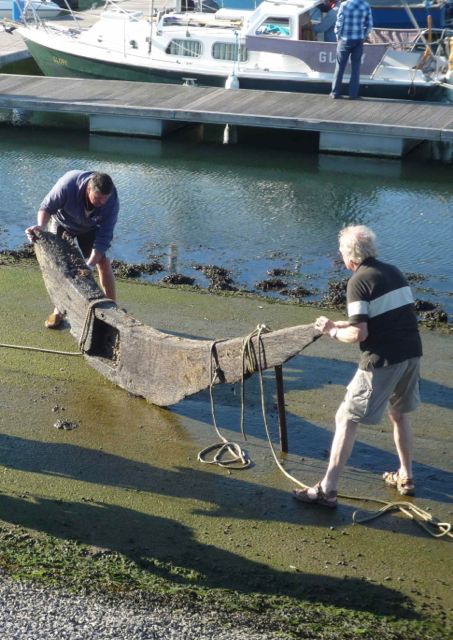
[(54, 321), (404, 486), (328, 499)]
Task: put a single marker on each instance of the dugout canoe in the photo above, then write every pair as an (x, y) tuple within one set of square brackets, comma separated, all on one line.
[(161, 367)]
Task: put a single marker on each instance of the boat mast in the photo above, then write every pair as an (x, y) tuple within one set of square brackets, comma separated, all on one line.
[(151, 11)]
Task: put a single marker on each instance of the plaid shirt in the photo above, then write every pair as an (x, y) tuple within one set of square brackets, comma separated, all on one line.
[(354, 20)]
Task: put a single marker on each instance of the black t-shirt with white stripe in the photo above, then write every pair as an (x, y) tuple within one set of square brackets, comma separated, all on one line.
[(379, 295)]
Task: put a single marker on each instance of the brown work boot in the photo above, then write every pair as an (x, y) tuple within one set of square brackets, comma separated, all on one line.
[(54, 321)]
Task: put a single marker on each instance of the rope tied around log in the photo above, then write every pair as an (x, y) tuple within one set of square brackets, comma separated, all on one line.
[(227, 453), (83, 338), (88, 318)]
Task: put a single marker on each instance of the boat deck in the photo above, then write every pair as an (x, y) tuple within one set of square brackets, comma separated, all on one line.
[(13, 48), (120, 106)]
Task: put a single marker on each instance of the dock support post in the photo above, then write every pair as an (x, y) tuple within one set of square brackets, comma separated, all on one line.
[(281, 409), (126, 125), (369, 144)]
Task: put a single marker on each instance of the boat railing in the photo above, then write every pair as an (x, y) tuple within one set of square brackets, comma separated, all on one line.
[(398, 39), (432, 45), (31, 16)]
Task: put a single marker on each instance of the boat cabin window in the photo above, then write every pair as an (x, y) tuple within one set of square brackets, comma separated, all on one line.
[(305, 30), (229, 51), (274, 27), (179, 47)]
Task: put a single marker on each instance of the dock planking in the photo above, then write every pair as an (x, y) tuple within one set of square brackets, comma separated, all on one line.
[(12, 47), (431, 121)]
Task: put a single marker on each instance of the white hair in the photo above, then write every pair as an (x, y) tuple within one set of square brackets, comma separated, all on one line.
[(357, 243)]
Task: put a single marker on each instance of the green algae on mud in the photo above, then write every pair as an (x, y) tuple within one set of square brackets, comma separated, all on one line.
[(68, 565), (121, 505)]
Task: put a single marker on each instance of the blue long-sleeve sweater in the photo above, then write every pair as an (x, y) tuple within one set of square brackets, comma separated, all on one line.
[(66, 202)]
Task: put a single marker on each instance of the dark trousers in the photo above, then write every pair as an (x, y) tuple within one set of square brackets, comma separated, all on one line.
[(84, 240), (348, 49)]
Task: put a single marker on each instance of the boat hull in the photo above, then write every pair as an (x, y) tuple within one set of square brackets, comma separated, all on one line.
[(385, 14), (396, 17), (161, 367), (53, 62)]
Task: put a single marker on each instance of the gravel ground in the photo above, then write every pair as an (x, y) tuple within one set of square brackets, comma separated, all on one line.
[(36, 613)]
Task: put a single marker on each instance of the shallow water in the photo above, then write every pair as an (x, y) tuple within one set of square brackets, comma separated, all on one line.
[(246, 208)]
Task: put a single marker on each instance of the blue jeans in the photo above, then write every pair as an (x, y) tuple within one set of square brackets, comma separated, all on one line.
[(346, 49)]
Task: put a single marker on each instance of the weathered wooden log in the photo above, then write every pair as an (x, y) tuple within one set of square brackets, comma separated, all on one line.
[(160, 367)]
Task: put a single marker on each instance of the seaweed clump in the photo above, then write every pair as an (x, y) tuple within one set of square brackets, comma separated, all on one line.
[(220, 279), (272, 284), (177, 279), (9, 256), (336, 293), (125, 270), (298, 292)]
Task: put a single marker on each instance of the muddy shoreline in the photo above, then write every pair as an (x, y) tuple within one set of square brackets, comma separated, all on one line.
[(120, 505), (430, 314)]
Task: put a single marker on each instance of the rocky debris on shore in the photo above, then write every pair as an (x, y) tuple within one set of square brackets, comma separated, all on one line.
[(126, 270), (414, 277), (65, 425), (272, 284), (220, 278), (279, 273), (336, 293), (430, 314), (177, 279), (8, 256), (298, 292)]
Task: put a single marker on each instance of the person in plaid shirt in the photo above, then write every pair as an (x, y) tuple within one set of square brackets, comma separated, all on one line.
[(354, 24)]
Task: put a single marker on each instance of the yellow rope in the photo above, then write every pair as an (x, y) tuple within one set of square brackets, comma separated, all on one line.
[(253, 362), (27, 348), (428, 522), (91, 305), (228, 454)]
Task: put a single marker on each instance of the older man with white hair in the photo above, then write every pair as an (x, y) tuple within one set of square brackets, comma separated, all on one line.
[(382, 319)]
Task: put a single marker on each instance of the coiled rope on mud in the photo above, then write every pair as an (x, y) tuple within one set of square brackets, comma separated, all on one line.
[(229, 453), (252, 363), (84, 335)]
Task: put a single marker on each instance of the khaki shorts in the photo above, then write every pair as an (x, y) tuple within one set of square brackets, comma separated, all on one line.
[(370, 392)]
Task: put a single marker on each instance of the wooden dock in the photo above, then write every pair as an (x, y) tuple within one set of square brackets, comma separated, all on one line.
[(369, 126), (12, 47)]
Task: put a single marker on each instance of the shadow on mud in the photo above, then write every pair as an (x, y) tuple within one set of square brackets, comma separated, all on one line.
[(167, 541)]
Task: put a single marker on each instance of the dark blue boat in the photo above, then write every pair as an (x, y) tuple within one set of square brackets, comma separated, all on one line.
[(393, 13), (386, 13)]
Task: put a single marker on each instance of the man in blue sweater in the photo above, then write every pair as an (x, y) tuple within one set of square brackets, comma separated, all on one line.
[(84, 205), (354, 24)]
